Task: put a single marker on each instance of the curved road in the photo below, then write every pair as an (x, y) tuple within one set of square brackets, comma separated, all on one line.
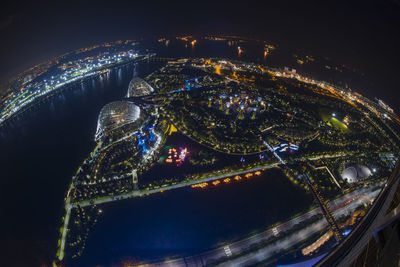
[(343, 205)]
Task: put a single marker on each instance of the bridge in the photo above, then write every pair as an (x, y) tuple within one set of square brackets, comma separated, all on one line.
[(247, 251), (274, 153), (327, 213), (137, 193), (355, 244), (140, 193)]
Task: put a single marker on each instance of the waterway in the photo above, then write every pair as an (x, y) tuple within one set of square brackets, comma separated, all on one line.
[(40, 152), (187, 221), (41, 149)]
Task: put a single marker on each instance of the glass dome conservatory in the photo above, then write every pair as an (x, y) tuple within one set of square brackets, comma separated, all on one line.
[(114, 115), (139, 87)]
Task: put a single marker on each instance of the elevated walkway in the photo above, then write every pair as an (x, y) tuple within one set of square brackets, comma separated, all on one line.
[(376, 239)]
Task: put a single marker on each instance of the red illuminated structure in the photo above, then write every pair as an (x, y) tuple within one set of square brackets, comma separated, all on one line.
[(174, 158)]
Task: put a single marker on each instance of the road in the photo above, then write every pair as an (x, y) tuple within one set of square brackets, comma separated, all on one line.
[(345, 204), (65, 229), (274, 153), (139, 193), (353, 246), (269, 251)]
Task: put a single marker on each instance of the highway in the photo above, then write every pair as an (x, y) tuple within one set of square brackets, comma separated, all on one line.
[(139, 193), (222, 254), (277, 247), (351, 248)]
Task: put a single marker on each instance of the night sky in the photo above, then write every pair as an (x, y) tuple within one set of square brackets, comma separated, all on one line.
[(361, 34)]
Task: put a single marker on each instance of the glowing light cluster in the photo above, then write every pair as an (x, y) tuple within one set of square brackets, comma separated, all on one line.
[(115, 115)]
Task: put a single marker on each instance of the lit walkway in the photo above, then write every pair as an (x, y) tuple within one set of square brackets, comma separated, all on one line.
[(273, 152), (139, 193)]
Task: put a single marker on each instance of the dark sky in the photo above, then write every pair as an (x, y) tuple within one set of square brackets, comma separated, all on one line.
[(361, 34)]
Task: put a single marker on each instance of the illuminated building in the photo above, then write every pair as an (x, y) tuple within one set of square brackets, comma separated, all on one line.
[(115, 115), (355, 173), (139, 87)]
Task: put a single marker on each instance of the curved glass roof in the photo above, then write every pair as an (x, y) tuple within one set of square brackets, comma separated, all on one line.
[(139, 87), (115, 115)]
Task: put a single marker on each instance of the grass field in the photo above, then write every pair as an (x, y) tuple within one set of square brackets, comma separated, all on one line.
[(327, 117), (338, 125)]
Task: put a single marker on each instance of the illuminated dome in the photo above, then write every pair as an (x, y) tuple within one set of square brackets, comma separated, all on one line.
[(355, 173), (139, 87), (350, 174), (115, 115), (363, 171)]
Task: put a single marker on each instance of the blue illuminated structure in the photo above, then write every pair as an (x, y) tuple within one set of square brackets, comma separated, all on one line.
[(191, 84), (286, 147), (141, 141), (187, 85), (263, 155), (346, 232), (152, 137)]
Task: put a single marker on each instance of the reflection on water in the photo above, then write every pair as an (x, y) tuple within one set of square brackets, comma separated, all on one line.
[(191, 220), (42, 148)]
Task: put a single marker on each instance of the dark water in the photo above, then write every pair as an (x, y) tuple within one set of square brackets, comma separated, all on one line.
[(160, 171), (39, 153), (191, 220), (43, 148)]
